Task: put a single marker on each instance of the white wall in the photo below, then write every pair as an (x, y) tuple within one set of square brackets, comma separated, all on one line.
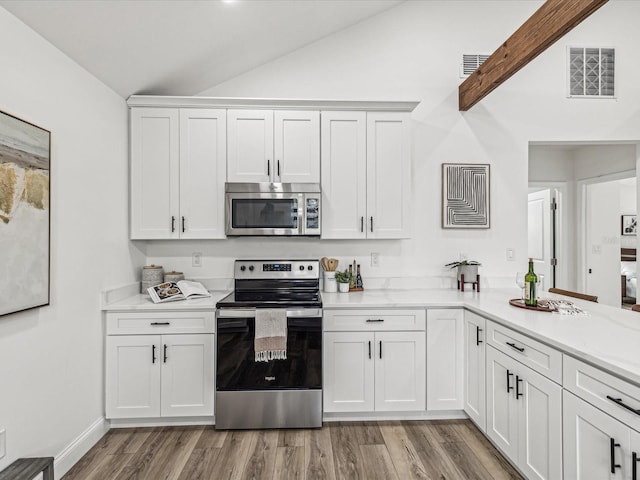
[(51, 358), (413, 52)]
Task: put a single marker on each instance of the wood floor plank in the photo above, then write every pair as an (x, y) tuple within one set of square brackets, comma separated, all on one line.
[(261, 461), (289, 463), (438, 450), (212, 438), (486, 453), (402, 452), (377, 463), (233, 456), (319, 464), (436, 463), (347, 457)]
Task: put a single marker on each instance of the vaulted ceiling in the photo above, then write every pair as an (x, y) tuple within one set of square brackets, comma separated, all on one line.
[(171, 47)]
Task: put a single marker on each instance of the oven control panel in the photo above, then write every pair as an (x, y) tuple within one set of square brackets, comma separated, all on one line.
[(276, 269)]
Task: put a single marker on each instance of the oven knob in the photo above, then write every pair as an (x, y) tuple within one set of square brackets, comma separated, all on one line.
[(301, 267), (251, 268), (243, 268), (310, 267)]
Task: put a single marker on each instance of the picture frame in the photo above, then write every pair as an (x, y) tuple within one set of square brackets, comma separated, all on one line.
[(466, 196), (25, 215), (628, 224)]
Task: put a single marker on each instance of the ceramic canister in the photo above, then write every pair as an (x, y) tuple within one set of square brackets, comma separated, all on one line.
[(151, 275), (173, 276), (330, 284)]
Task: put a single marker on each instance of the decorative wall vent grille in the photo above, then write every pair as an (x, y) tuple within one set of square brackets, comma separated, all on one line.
[(470, 63), (591, 72)]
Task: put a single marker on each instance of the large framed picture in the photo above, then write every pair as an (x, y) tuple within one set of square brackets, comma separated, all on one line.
[(465, 195), (25, 218), (629, 224)]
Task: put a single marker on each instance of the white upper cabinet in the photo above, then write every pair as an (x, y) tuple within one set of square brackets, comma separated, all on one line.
[(177, 173), (273, 146), (366, 174)]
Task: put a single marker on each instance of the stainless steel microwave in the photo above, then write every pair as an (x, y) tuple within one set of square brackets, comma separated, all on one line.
[(272, 209)]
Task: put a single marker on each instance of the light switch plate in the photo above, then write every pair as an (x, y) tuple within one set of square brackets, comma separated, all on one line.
[(196, 259)]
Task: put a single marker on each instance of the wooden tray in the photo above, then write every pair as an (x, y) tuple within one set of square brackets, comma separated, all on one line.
[(518, 302), (354, 289)]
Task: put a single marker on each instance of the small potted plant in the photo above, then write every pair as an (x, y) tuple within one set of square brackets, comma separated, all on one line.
[(468, 268), (343, 279)]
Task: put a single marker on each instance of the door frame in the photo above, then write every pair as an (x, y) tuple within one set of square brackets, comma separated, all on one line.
[(559, 191), (581, 200)]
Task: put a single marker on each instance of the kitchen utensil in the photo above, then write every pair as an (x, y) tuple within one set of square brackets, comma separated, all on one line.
[(333, 264), (325, 263)]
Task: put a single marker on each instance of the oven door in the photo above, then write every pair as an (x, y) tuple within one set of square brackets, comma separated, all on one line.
[(264, 214), (236, 368)]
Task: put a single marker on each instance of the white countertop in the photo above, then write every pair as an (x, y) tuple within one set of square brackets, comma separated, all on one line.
[(607, 337)]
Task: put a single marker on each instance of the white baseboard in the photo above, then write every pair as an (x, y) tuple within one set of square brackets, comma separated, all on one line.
[(382, 416), (160, 422), (81, 445)]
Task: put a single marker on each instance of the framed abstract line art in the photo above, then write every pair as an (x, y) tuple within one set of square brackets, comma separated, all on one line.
[(465, 195), (25, 151), (629, 224)]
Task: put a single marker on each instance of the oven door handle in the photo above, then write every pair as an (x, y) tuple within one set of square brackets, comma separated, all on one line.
[(251, 313)]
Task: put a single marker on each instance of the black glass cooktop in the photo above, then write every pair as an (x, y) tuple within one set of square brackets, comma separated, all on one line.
[(271, 299)]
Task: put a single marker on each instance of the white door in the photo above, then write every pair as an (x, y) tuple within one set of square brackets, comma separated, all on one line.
[(203, 149), (602, 246), (388, 175), (445, 359), (133, 376), (344, 174), (540, 427), (348, 372), (155, 173), (502, 413), (587, 437), (297, 146), (474, 369), (187, 375), (250, 146), (540, 233), (400, 380)]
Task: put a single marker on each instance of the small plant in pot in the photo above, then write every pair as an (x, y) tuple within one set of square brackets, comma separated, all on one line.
[(468, 268), (343, 279)]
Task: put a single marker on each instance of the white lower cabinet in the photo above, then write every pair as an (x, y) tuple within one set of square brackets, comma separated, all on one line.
[(159, 375), (524, 416), (369, 370), (445, 359), (475, 402)]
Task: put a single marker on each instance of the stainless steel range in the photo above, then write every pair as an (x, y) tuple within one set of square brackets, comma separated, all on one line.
[(277, 393)]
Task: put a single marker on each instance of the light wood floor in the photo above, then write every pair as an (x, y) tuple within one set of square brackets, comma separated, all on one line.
[(346, 450)]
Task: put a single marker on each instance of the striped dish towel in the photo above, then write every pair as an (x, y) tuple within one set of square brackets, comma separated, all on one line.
[(271, 334)]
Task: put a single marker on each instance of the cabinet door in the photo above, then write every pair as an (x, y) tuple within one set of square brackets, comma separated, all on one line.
[(133, 376), (250, 145), (348, 371), (445, 359), (540, 426), (400, 381), (344, 174), (502, 413), (388, 175), (588, 434), (634, 457), (155, 173), (474, 369), (203, 148), (187, 375), (297, 146)]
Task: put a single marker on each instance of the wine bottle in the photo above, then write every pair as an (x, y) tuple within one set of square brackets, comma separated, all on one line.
[(351, 277), (358, 278), (530, 283)]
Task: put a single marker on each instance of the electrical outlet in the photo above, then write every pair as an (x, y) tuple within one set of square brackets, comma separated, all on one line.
[(196, 259), (3, 443), (375, 259), (511, 255)]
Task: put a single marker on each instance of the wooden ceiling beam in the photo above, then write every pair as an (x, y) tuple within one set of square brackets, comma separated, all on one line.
[(549, 23)]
